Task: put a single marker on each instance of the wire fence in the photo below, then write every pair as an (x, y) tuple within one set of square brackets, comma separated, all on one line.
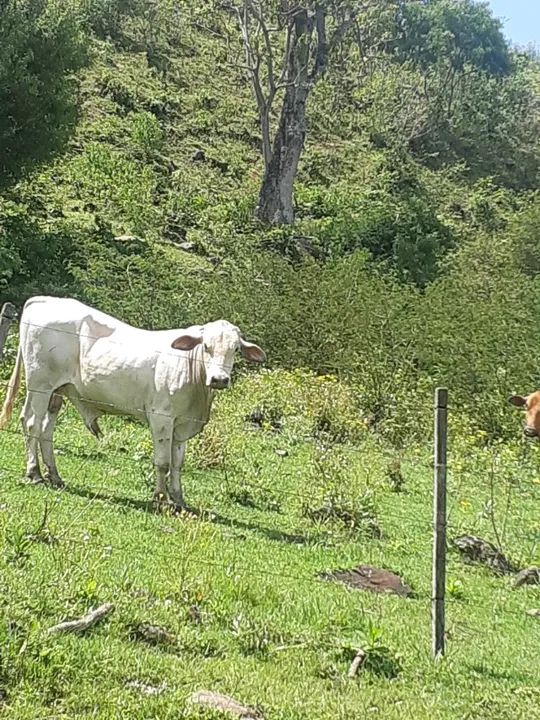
[(387, 509)]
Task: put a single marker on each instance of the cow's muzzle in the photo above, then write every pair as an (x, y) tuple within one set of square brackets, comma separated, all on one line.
[(530, 432)]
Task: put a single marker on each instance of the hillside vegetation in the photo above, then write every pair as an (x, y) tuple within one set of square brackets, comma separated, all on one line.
[(131, 133), (130, 171)]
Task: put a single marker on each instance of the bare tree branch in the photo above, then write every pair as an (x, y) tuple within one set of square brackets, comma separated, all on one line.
[(290, 73), (268, 51)]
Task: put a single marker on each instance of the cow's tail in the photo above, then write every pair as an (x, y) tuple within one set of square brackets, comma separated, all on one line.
[(13, 388)]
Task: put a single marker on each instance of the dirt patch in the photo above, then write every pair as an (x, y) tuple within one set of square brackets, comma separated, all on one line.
[(372, 579)]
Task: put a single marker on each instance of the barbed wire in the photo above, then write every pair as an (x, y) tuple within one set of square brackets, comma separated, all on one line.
[(185, 356), (117, 411), (244, 483), (234, 566), (104, 454), (319, 577)]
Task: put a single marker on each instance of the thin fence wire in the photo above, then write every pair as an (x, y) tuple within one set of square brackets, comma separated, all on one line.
[(107, 453), (234, 566), (185, 356), (125, 457)]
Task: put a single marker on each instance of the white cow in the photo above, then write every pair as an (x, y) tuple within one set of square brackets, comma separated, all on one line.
[(166, 378)]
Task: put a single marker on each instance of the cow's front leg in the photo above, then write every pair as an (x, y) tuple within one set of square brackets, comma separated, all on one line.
[(162, 435), (178, 452)]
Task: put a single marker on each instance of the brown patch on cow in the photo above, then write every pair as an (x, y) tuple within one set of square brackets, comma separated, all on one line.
[(372, 579)]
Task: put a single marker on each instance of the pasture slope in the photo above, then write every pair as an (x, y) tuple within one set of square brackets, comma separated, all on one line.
[(236, 586)]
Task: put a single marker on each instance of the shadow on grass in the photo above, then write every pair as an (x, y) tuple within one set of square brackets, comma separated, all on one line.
[(205, 515), (493, 674)]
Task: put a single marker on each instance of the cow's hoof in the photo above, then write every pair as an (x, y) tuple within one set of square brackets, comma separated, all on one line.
[(183, 510), (33, 480), (55, 482), (161, 502)]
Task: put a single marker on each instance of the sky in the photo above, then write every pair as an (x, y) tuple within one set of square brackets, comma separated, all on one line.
[(521, 20)]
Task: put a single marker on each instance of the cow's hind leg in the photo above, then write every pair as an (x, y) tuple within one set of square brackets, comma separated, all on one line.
[(178, 452), (46, 441), (32, 418), (162, 434)]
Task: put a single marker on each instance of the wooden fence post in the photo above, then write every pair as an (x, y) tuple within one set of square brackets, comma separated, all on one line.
[(7, 316), (439, 522)]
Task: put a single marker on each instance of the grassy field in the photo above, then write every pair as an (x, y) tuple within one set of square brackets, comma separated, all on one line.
[(237, 586)]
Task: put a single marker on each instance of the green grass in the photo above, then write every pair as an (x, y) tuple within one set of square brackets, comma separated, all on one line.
[(270, 633)]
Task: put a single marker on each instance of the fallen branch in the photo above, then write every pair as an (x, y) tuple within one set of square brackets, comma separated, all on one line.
[(356, 665), (83, 623), (224, 704)]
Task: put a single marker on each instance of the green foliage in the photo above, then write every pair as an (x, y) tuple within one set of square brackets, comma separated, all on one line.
[(413, 260), (480, 333), (458, 35), (239, 586), (42, 45), (397, 224), (32, 253)]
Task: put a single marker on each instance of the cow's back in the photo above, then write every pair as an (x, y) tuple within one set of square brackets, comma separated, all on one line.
[(51, 333)]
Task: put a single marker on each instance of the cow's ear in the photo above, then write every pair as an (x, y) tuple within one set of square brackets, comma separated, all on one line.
[(252, 352), (187, 342), (517, 400)]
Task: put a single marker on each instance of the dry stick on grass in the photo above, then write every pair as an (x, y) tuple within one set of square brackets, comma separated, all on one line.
[(83, 623), (224, 704), (357, 663)]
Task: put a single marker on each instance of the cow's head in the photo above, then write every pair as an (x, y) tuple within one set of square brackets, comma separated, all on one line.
[(531, 405), (219, 340)]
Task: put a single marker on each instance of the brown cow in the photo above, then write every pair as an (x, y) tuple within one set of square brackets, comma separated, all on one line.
[(531, 405)]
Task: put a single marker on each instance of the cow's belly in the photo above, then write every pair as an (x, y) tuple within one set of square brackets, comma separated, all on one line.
[(114, 386)]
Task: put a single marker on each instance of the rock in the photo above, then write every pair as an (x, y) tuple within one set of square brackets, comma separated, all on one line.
[(478, 550), (128, 239), (535, 612), (281, 453), (305, 246), (153, 634), (186, 246), (198, 156), (365, 577), (223, 703), (528, 576)]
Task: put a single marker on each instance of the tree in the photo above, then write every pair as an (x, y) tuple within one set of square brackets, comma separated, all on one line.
[(42, 45), (286, 48)]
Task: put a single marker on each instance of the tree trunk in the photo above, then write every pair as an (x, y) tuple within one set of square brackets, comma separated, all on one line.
[(275, 204)]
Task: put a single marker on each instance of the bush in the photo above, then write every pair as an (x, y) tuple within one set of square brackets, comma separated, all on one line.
[(42, 45)]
